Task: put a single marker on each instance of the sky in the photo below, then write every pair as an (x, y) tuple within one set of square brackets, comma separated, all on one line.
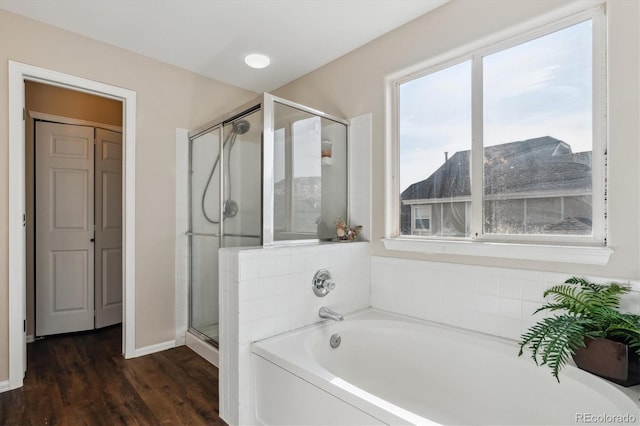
[(539, 88)]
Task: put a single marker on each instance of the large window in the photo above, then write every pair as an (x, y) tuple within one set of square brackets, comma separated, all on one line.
[(506, 143)]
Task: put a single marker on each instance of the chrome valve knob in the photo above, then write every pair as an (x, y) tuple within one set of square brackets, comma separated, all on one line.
[(322, 283)]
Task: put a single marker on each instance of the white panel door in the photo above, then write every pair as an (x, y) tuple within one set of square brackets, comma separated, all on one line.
[(108, 284), (64, 228)]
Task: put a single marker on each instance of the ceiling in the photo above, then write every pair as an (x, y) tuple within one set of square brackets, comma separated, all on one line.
[(212, 37)]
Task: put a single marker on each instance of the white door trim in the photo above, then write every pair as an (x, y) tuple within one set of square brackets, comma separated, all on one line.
[(18, 73)]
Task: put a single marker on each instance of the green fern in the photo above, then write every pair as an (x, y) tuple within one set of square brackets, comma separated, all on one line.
[(585, 298), (569, 297), (589, 310), (554, 339), (625, 327)]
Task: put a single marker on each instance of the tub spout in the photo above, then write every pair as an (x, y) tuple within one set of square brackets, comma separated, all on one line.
[(326, 313)]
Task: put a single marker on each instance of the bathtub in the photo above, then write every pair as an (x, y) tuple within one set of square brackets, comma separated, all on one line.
[(390, 369)]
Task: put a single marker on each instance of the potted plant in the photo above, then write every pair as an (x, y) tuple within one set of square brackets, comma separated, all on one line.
[(589, 327)]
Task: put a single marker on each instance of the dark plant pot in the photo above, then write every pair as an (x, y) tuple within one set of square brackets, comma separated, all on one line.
[(611, 360)]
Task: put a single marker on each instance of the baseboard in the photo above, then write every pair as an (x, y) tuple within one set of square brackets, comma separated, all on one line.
[(30, 338), (158, 347), (4, 386)]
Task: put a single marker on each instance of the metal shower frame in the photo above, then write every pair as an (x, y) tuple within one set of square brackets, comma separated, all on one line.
[(264, 103)]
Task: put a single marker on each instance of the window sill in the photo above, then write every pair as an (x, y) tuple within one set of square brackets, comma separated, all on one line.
[(537, 252)]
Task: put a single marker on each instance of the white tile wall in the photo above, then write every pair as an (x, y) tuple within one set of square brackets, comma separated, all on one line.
[(497, 301), (267, 291), (360, 174)]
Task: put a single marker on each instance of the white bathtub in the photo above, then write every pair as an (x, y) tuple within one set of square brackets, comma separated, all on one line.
[(391, 369)]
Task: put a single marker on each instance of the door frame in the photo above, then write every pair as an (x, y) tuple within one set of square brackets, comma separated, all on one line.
[(18, 73)]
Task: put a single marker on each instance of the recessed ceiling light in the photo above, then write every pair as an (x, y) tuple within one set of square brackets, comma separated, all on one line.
[(257, 60)]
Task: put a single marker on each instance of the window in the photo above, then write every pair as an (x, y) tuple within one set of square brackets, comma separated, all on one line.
[(506, 143), (421, 220)]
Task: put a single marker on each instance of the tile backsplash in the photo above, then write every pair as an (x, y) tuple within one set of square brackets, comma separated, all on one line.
[(496, 301), (267, 291)]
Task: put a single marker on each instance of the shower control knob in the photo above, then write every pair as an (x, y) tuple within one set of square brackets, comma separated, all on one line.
[(322, 283)]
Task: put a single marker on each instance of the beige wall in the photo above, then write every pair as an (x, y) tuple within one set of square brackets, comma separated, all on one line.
[(66, 103), (354, 85), (167, 98)]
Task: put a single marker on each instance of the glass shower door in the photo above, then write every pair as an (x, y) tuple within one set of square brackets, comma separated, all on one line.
[(205, 234), (231, 220)]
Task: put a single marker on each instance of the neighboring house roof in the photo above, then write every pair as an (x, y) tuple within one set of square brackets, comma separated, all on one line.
[(537, 165), (569, 224)]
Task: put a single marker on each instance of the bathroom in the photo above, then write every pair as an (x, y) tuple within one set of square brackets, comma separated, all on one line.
[(491, 289), (490, 292)]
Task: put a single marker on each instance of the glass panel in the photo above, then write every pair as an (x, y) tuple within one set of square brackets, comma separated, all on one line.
[(281, 208), (205, 216), (307, 175), (436, 219), (435, 143), (242, 194), (454, 220), (204, 315), (542, 212), (310, 171), (577, 213), (538, 133), (504, 216)]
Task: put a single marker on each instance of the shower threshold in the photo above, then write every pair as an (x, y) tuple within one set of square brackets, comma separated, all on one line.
[(208, 334), (204, 346)]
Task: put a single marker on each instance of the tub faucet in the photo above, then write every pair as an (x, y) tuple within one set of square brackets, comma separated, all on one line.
[(326, 313)]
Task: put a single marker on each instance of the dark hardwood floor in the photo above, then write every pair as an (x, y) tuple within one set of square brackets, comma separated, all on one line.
[(82, 379)]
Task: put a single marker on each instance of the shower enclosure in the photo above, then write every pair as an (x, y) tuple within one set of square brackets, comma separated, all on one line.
[(270, 172)]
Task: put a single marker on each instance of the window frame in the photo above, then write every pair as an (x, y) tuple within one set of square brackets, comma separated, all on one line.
[(475, 53)]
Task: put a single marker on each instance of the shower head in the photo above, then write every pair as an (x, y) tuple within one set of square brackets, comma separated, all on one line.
[(241, 127)]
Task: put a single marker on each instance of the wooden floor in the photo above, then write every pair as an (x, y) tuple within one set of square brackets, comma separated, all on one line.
[(82, 379)]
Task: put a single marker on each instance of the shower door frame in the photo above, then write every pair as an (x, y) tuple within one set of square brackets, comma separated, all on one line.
[(265, 104), (219, 123), (190, 234), (268, 176)]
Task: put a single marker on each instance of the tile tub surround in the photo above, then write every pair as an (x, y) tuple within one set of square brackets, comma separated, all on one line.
[(497, 301), (267, 291)]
